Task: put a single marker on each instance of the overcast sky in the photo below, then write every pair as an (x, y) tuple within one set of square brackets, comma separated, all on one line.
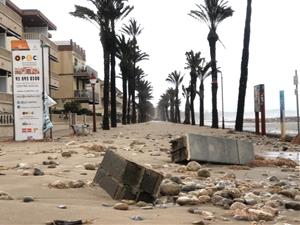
[(169, 32)]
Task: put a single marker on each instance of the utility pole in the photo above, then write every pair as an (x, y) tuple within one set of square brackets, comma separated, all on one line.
[(297, 99)]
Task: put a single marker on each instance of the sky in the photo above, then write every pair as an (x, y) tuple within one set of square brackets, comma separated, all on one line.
[(169, 32)]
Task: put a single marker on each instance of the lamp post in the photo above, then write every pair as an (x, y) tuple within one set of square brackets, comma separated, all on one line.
[(297, 99), (93, 80)]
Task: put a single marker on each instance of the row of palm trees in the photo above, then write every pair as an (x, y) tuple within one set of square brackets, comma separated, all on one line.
[(212, 13), (105, 15)]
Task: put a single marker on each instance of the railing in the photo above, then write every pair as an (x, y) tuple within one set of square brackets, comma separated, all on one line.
[(5, 53), (54, 80), (5, 59), (10, 19), (86, 95), (84, 71), (6, 119)]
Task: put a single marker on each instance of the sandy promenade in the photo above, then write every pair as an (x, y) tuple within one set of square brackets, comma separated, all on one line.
[(66, 158)]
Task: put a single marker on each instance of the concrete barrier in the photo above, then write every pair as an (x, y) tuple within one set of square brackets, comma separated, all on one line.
[(125, 179)]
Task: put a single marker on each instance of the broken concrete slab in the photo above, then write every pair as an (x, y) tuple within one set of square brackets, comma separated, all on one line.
[(211, 149), (125, 179)]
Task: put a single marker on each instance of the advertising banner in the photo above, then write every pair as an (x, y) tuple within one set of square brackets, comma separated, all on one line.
[(28, 89)]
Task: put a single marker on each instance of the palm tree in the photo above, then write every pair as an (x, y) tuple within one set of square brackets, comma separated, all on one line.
[(125, 54), (176, 79), (133, 30), (244, 71), (193, 62), (165, 103), (106, 11), (144, 89), (203, 73), (118, 11), (171, 93), (213, 12), (186, 92)]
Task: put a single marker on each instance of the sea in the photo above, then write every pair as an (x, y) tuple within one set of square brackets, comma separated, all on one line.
[(274, 127)]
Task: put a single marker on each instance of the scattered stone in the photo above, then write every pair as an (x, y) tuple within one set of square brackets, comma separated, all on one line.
[(191, 186), (137, 218), (176, 179), (292, 205), (58, 184), (38, 172), (121, 206), (141, 204), (66, 154), (169, 188), (62, 206), (5, 196), (204, 199), (289, 193), (128, 202), (237, 205), (199, 222), (251, 199), (23, 166), (71, 143), (187, 200), (193, 166), (297, 198), (261, 215), (90, 166), (28, 199), (76, 184), (148, 207), (52, 166), (273, 179), (52, 157), (155, 154), (51, 162), (203, 173)]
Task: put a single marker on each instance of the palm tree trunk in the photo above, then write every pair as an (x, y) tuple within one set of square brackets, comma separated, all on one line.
[(201, 104), (105, 124), (187, 119), (193, 95), (212, 39), (133, 118), (244, 71), (178, 120), (113, 102), (129, 101), (124, 107), (167, 114)]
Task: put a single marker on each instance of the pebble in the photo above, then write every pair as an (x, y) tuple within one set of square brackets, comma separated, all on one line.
[(28, 199), (137, 218), (58, 184), (141, 204), (66, 154), (187, 200), (204, 199), (5, 196), (199, 222), (89, 166), (193, 166), (23, 166), (26, 173), (273, 179), (62, 206), (292, 205), (237, 205), (38, 172), (297, 198), (76, 184), (170, 188), (121, 206), (155, 154), (176, 179), (203, 173), (191, 186)]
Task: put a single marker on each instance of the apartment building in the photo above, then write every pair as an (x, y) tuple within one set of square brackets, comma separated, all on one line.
[(15, 24), (74, 76)]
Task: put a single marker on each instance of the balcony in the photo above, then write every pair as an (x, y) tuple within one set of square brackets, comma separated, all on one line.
[(45, 40), (84, 72), (11, 21), (86, 96), (5, 60)]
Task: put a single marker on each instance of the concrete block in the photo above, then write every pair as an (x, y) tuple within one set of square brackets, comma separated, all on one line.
[(213, 149), (124, 179)]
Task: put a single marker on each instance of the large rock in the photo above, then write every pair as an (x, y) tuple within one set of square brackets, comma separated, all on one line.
[(203, 173), (187, 200), (292, 205)]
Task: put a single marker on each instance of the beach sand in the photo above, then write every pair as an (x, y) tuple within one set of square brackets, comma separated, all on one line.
[(147, 144)]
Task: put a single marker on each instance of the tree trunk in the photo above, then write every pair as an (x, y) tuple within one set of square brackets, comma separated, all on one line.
[(133, 118), (129, 101), (113, 102), (212, 39), (178, 120), (244, 71), (201, 89), (172, 111), (187, 119), (105, 124), (124, 107), (193, 95), (167, 114)]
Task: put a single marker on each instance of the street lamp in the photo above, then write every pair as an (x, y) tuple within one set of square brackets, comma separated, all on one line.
[(223, 122), (297, 99), (93, 81)]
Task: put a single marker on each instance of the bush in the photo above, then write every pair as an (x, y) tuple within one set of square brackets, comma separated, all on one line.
[(73, 107)]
